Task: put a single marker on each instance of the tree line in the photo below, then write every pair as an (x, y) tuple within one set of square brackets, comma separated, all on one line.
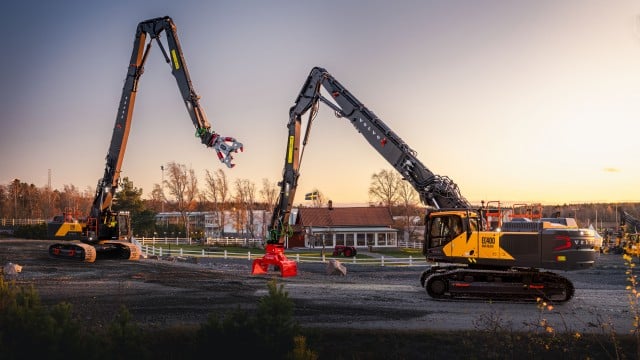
[(182, 193)]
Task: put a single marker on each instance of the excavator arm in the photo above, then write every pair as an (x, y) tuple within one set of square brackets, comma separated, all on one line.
[(104, 229), (153, 29), (223, 145), (434, 190)]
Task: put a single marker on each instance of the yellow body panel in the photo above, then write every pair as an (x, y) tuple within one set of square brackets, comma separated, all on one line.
[(290, 149), (176, 63), (480, 244), (68, 227)]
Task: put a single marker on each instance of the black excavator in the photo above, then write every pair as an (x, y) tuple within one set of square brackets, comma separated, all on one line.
[(468, 259), (105, 233)]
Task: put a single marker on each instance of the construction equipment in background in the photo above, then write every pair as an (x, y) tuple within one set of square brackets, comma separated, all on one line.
[(468, 260), (629, 239), (531, 212), (492, 215), (107, 233), (628, 223)]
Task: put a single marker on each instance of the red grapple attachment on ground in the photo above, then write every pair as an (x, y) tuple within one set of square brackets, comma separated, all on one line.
[(274, 256)]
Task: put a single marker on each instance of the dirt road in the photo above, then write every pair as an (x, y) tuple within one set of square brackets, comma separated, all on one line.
[(160, 293)]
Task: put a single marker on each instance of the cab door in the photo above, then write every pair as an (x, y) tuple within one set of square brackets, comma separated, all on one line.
[(461, 240)]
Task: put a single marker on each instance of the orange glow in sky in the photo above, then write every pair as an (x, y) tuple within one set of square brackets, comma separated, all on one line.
[(534, 101)]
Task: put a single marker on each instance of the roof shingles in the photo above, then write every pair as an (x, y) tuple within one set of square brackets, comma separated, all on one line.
[(348, 216)]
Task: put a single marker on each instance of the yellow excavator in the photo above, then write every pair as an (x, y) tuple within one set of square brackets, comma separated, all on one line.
[(468, 258)]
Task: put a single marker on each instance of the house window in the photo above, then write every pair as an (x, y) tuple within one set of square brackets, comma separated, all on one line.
[(382, 239), (370, 239), (349, 239), (328, 239), (361, 239), (323, 239), (340, 239), (392, 239)]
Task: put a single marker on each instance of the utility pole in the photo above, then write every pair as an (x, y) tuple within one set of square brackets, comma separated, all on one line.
[(49, 193), (16, 183), (162, 187)]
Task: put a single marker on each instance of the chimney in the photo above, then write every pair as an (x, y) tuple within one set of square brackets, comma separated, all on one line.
[(330, 205)]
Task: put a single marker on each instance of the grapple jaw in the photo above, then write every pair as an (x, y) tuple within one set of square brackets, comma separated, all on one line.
[(223, 145), (274, 256)]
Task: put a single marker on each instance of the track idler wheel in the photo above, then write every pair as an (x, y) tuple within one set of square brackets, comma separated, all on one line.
[(561, 291), (436, 286)]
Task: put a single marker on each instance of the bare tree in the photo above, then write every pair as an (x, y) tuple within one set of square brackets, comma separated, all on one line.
[(157, 198), (71, 200), (218, 192), (86, 198), (4, 201), (269, 195), (183, 186), (245, 199), (15, 194), (202, 203), (408, 200), (48, 199), (384, 187)]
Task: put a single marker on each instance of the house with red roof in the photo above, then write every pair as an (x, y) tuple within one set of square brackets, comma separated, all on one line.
[(350, 226)]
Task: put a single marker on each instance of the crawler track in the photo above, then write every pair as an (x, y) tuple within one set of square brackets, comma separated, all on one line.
[(73, 250), (78, 251), (507, 285)]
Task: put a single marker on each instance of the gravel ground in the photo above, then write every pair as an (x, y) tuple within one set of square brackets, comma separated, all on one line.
[(161, 293)]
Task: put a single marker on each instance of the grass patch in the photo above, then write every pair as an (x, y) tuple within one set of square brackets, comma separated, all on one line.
[(399, 252)]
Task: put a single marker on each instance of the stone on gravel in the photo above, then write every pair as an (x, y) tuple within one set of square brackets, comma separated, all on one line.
[(334, 267), (12, 269)]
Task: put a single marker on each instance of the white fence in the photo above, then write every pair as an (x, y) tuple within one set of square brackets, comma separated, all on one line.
[(151, 250), (238, 242), (4, 222), (410, 244), (188, 241)]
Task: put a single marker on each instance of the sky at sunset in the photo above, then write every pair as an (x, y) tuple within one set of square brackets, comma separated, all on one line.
[(535, 101)]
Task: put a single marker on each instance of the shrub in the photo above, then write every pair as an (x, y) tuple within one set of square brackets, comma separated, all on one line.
[(30, 330), (271, 334), (38, 231)]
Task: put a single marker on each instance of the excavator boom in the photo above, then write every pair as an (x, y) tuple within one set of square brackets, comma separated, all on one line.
[(153, 29), (434, 190)]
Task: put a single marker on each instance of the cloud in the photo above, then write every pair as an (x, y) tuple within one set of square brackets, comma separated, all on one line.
[(611, 170)]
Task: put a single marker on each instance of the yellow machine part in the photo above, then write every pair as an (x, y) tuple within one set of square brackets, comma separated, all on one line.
[(134, 251), (480, 244), (68, 228)]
